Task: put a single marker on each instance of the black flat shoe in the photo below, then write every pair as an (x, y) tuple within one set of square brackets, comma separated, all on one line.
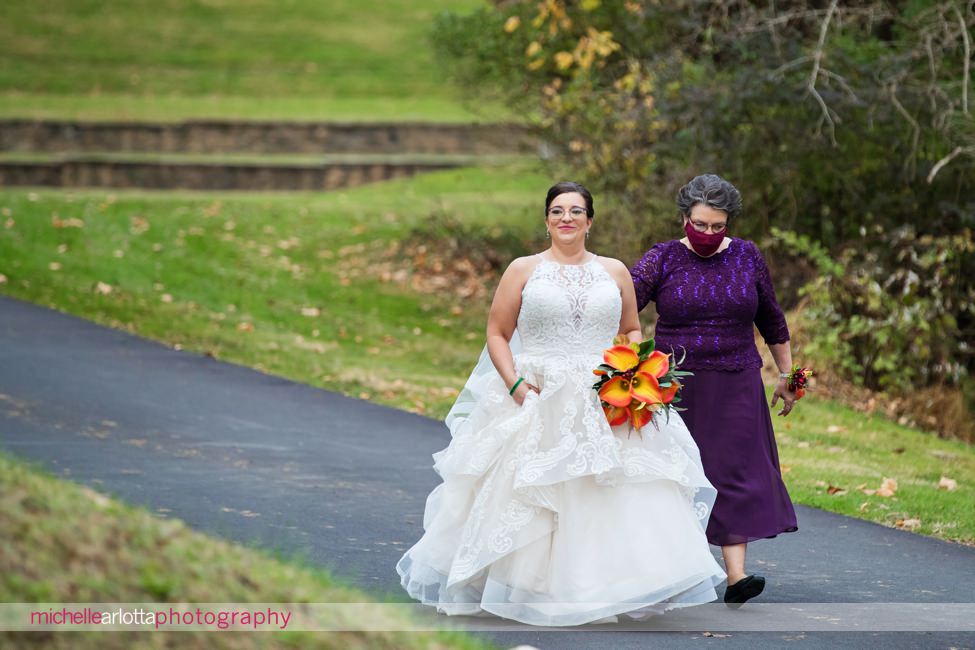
[(745, 589)]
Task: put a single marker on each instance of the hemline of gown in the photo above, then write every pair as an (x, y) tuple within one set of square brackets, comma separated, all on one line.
[(728, 417), (548, 516)]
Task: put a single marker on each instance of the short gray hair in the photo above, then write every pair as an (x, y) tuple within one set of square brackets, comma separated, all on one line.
[(712, 191)]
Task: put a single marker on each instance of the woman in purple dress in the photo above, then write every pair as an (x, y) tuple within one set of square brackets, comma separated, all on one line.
[(710, 291)]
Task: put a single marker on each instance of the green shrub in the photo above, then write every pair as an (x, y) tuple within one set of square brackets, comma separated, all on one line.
[(894, 310)]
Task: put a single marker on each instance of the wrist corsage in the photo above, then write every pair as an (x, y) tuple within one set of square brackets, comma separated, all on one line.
[(797, 380)]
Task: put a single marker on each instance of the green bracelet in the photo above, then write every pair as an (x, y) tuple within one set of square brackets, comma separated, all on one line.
[(512, 391)]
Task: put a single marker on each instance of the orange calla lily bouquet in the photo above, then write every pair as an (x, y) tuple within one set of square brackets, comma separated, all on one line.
[(636, 381)]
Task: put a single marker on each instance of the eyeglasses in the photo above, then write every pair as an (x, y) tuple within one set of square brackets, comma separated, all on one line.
[(714, 228), (574, 212)]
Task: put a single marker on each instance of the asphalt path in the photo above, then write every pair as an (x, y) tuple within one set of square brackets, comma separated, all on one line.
[(342, 482)]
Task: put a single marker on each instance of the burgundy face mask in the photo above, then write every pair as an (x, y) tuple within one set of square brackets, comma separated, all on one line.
[(704, 244)]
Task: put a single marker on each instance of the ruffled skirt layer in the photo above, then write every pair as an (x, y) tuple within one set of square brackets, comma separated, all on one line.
[(548, 516)]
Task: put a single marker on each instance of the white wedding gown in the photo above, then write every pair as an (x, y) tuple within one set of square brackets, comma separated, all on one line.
[(547, 515)]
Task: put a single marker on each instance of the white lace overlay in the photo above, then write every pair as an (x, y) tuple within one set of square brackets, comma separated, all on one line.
[(547, 515)]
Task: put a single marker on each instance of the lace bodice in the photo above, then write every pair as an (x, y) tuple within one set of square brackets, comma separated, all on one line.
[(569, 309), (709, 307)]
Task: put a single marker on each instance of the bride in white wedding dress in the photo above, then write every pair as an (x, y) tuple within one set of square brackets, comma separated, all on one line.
[(546, 514)]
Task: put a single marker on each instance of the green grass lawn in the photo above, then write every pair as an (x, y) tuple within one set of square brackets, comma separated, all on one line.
[(832, 456), (237, 275), (173, 59), (304, 286), (64, 543)]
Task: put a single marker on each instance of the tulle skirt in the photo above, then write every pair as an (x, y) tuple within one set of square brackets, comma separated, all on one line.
[(548, 516)]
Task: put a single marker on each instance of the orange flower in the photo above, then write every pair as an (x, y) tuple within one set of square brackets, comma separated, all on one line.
[(637, 381), (616, 415), (667, 394), (616, 392), (657, 364), (621, 357), (640, 414)]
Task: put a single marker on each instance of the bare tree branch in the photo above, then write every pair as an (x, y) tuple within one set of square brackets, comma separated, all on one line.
[(791, 64), (967, 62), (957, 151), (842, 82), (909, 164), (814, 75)]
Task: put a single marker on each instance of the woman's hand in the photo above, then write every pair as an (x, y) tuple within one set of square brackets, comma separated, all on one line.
[(787, 396), (522, 392)]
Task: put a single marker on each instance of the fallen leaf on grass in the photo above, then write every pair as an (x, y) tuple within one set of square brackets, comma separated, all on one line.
[(835, 491), (3, 279), (138, 225), (947, 484), (245, 327), (311, 311), (887, 488), (835, 428), (213, 209), (908, 524), (103, 288), (72, 222)]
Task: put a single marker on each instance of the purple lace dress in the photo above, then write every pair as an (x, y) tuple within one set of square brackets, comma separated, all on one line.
[(708, 308)]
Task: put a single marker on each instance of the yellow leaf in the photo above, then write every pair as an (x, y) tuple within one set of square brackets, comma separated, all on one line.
[(591, 5), (533, 48), (563, 60), (512, 24)]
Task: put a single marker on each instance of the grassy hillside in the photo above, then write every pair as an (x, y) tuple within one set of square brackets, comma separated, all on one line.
[(65, 543), (169, 59)]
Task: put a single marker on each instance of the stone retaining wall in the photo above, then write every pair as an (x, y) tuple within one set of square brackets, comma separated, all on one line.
[(93, 173), (263, 137)]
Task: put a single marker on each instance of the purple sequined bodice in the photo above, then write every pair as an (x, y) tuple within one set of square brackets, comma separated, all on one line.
[(709, 306)]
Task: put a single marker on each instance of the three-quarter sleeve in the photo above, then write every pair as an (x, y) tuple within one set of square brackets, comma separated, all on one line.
[(646, 276), (769, 318)]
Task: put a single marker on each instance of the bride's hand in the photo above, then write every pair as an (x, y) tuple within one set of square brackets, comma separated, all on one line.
[(522, 392)]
